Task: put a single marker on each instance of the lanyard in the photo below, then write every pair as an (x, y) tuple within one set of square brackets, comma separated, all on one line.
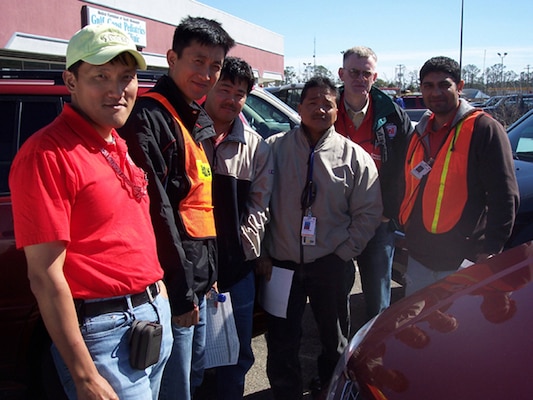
[(310, 164), (138, 191), (309, 192)]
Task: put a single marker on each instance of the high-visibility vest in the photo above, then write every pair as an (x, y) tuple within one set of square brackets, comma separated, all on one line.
[(445, 191), (196, 209)]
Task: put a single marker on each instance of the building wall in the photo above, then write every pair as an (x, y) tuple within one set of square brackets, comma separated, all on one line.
[(44, 26)]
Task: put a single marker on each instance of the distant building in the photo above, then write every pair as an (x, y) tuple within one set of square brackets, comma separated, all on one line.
[(35, 33)]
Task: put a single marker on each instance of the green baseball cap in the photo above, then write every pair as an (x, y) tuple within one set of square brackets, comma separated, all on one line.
[(98, 44)]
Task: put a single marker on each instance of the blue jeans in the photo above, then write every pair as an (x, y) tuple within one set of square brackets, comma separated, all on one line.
[(375, 268), (230, 379), (184, 371), (418, 276), (107, 338)]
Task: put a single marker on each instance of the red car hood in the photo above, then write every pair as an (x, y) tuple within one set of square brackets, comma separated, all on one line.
[(469, 336)]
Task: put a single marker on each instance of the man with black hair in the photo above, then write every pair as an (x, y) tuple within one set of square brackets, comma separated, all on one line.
[(242, 182), (461, 194), (325, 206), (81, 213), (164, 132)]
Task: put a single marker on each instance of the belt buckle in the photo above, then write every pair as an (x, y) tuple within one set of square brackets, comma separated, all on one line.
[(148, 291)]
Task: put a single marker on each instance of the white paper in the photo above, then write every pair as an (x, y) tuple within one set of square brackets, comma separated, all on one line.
[(274, 296), (221, 342), (465, 264)]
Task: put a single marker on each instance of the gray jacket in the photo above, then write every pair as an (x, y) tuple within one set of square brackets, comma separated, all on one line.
[(242, 183), (347, 204)]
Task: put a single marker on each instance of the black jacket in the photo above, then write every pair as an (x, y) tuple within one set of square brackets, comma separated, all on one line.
[(155, 143)]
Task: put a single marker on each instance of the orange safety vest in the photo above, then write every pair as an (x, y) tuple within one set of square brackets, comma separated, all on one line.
[(445, 192), (196, 209)]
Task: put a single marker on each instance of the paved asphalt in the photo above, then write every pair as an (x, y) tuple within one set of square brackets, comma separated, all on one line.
[(257, 386)]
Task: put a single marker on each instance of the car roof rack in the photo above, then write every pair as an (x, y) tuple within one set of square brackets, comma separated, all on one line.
[(56, 75)]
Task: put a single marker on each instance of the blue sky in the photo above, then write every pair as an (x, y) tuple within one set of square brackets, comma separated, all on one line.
[(406, 32)]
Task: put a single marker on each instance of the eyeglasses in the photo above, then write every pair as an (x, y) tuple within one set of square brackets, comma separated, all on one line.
[(356, 73)]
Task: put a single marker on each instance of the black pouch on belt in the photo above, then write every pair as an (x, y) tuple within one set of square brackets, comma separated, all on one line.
[(145, 343)]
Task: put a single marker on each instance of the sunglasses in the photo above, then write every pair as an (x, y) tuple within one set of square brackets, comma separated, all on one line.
[(356, 73)]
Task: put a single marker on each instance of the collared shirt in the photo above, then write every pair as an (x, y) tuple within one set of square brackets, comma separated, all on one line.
[(437, 137), (63, 189), (357, 116)]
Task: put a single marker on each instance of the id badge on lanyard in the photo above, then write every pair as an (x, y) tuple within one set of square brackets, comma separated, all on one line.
[(421, 169), (308, 231)]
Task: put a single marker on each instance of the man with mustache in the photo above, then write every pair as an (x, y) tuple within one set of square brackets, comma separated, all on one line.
[(325, 206), (461, 193), (242, 182)]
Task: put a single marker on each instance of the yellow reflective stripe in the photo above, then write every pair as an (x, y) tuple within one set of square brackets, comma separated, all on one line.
[(442, 183)]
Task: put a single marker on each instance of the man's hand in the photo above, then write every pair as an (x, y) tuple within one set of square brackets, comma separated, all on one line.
[(188, 319), (50, 287), (263, 266), (95, 389)]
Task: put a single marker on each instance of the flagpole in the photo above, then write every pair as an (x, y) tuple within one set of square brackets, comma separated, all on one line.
[(461, 40)]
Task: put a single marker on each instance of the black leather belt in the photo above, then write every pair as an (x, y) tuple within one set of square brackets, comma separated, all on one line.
[(87, 309)]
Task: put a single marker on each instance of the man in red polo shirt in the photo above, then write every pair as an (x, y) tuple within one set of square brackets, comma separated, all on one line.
[(373, 120), (81, 213)]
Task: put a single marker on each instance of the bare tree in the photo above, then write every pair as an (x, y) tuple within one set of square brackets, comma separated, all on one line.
[(497, 79), (289, 75), (412, 81), (470, 74), (493, 76), (320, 70)]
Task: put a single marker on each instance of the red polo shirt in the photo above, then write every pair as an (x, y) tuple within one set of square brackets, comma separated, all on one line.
[(63, 188), (364, 135)]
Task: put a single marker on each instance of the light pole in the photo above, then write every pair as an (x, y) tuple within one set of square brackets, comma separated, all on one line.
[(461, 40), (307, 67), (501, 55), (399, 75)]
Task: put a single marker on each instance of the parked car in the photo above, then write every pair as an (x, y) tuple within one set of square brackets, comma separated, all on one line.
[(414, 101), (289, 94), (493, 101), (467, 336), (267, 114), (480, 103), (414, 106), (437, 328), (508, 108), (30, 100), (415, 114), (521, 138)]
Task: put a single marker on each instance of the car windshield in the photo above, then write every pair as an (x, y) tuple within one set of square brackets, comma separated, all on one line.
[(289, 94), (521, 137), (269, 117)]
